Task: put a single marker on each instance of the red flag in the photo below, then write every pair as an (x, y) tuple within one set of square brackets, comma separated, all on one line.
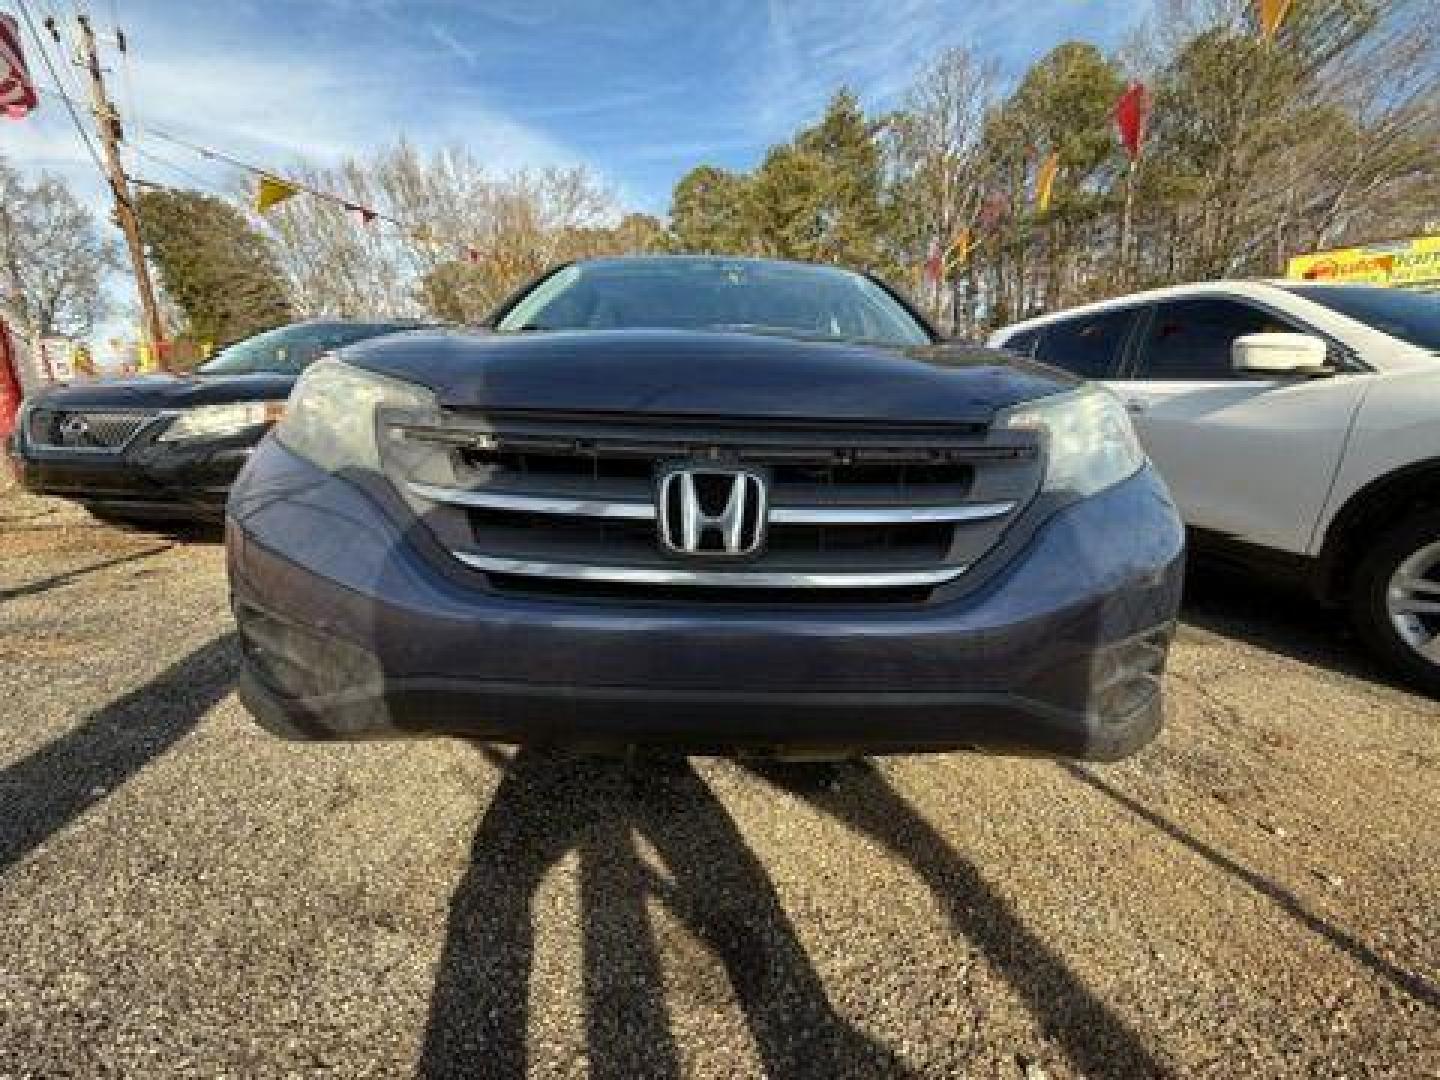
[(1132, 113), (474, 254), (934, 262), (17, 92)]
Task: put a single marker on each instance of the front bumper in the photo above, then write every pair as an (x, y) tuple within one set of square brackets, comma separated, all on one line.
[(353, 625), (148, 479)]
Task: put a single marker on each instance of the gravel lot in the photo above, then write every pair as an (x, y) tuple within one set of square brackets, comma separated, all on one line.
[(180, 894)]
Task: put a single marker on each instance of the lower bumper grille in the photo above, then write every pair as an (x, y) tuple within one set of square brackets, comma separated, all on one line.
[(571, 505)]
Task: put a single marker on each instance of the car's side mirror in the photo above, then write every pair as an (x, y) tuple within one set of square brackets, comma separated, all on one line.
[(1275, 355)]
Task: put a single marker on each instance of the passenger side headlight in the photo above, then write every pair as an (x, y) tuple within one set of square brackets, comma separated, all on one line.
[(331, 419), (1090, 442), (214, 421)]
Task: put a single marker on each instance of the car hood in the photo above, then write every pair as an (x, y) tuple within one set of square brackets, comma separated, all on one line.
[(683, 373), (168, 391)]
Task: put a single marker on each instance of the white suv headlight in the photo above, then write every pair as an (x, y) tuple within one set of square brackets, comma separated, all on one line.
[(214, 421), (331, 416), (1090, 443)]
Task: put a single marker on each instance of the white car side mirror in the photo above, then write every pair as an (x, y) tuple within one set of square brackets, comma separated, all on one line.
[(1279, 354)]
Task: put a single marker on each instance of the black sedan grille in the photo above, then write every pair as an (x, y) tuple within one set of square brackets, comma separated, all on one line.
[(567, 505), (87, 429)]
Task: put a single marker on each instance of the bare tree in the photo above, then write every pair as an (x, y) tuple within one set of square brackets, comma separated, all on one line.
[(939, 169), (52, 260), (509, 226)]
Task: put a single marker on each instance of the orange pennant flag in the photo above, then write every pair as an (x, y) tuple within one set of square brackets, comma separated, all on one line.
[(272, 192), (960, 249), (1045, 181), (1272, 14)]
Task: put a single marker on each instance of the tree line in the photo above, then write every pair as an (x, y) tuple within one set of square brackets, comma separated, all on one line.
[(1256, 149), (1326, 135)]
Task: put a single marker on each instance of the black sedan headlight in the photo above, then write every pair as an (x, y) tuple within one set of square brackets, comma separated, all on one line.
[(218, 421)]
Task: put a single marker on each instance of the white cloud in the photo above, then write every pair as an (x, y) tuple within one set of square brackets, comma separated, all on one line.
[(266, 101)]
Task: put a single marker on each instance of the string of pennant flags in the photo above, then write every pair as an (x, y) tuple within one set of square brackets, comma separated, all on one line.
[(271, 188), (18, 98), (1131, 116)]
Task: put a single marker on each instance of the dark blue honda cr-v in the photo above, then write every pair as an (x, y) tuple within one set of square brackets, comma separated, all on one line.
[(716, 505)]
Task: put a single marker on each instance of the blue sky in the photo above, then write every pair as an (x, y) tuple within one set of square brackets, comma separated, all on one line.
[(638, 91)]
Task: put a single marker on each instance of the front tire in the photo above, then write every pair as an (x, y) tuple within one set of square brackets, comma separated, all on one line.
[(1395, 599)]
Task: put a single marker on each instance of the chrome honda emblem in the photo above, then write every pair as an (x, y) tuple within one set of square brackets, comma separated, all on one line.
[(711, 510)]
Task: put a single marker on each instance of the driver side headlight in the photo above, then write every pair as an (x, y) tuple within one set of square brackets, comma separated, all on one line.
[(214, 421), (1090, 443), (331, 418)]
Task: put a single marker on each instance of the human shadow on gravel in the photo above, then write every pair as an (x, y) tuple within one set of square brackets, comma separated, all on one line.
[(1096, 1040), (1416, 986), (58, 580), (43, 793), (548, 807)]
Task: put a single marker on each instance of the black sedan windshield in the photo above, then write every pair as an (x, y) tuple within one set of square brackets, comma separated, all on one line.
[(291, 348), (742, 295)]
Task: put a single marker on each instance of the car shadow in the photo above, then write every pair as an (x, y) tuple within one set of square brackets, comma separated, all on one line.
[(60, 580), (1095, 1039), (1416, 986), (1279, 619), (46, 791), (600, 810)]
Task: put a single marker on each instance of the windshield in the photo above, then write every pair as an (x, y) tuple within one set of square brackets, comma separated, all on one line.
[(816, 302), (1413, 317), (288, 349)]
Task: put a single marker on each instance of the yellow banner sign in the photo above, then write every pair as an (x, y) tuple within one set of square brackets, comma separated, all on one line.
[(1409, 264)]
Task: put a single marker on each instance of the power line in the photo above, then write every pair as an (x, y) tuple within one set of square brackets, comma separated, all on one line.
[(193, 177), (122, 46), (210, 153), (69, 104)]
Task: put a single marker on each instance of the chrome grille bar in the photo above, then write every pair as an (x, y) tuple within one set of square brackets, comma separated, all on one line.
[(740, 579), (779, 515), (534, 504)]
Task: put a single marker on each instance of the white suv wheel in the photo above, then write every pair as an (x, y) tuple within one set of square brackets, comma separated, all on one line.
[(1413, 600)]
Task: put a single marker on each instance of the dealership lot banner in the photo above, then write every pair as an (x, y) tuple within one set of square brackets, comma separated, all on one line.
[(1408, 264)]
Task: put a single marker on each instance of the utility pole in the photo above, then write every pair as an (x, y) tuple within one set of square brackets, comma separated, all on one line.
[(107, 121)]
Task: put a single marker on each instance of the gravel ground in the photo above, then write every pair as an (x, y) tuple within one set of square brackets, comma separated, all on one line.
[(183, 895)]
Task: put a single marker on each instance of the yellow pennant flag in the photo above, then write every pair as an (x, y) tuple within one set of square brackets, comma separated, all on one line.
[(272, 192), (960, 249), (1272, 14), (1045, 181)]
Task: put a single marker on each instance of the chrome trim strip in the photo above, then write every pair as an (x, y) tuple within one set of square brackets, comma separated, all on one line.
[(881, 515), (779, 515), (742, 579), (534, 504)]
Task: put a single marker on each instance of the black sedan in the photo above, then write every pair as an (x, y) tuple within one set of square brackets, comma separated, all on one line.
[(167, 448)]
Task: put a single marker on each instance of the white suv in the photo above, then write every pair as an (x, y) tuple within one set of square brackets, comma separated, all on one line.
[(1298, 425)]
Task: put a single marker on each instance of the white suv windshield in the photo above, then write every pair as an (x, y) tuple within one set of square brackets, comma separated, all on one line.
[(1413, 317)]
